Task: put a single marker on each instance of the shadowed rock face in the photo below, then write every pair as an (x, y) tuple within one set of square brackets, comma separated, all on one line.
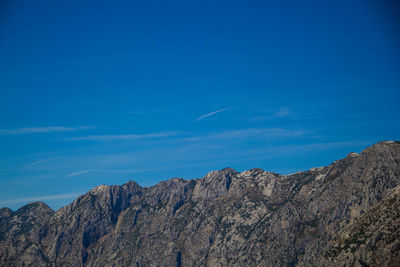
[(344, 214), (20, 235), (372, 239)]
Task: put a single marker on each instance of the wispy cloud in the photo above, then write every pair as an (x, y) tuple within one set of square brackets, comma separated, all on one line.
[(47, 129), (39, 198), (124, 136), (140, 112), (248, 133), (77, 173), (279, 113), (212, 113), (24, 167), (229, 134), (325, 146), (102, 171), (7, 172), (37, 163)]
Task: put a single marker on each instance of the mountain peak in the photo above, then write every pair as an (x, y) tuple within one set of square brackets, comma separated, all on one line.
[(5, 212), (32, 207)]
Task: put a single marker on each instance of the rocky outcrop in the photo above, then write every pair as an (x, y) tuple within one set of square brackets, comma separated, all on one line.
[(20, 235), (74, 228), (227, 218), (373, 239)]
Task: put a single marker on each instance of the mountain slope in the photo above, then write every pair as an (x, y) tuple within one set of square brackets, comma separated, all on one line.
[(227, 218), (373, 239)]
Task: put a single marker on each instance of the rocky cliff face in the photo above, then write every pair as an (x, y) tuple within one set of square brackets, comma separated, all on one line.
[(373, 239), (345, 214)]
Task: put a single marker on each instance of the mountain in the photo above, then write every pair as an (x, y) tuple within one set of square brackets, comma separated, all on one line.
[(345, 214)]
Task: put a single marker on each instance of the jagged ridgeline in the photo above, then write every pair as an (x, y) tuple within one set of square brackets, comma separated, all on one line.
[(345, 214)]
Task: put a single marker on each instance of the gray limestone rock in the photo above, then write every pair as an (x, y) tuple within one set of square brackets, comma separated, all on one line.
[(344, 214)]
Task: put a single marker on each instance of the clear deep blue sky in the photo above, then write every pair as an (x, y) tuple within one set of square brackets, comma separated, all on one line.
[(102, 92)]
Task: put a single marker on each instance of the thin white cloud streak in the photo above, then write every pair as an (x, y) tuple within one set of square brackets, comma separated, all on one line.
[(39, 198), (275, 151), (7, 173), (36, 163), (248, 133), (279, 113), (103, 171), (140, 112), (123, 136), (47, 129), (212, 113), (77, 173), (325, 146), (24, 167)]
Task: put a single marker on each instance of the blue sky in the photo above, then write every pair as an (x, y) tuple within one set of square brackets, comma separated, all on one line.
[(102, 92)]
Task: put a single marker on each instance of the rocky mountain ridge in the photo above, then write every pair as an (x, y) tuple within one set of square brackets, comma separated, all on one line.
[(227, 218)]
